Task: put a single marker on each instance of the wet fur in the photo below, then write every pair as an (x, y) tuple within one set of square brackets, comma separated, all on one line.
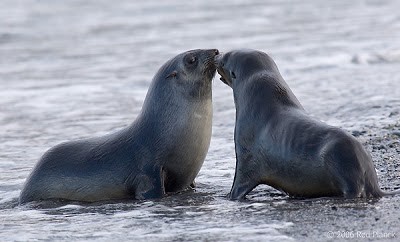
[(160, 152), (278, 144)]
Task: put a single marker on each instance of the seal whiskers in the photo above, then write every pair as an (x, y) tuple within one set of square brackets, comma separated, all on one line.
[(278, 144)]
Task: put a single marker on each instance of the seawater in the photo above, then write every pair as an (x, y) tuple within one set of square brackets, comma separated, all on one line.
[(77, 69)]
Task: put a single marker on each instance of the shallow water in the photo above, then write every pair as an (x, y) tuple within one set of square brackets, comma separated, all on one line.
[(75, 69)]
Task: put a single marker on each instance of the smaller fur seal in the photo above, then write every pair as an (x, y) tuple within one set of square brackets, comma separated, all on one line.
[(161, 152), (278, 144)]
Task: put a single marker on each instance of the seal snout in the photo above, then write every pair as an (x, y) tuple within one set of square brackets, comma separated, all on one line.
[(208, 59), (221, 70), (215, 54), (210, 54)]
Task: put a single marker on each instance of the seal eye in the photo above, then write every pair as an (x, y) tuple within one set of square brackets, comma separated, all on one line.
[(233, 75), (191, 60)]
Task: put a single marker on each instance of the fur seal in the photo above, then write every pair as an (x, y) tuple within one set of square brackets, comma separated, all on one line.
[(278, 144), (161, 152)]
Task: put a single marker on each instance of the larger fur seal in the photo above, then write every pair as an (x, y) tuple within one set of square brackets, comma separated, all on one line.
[(160, 152), (278, 144)]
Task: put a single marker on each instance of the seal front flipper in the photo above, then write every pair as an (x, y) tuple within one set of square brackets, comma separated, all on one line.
[(147, 186), (242, 185), (241, 189)]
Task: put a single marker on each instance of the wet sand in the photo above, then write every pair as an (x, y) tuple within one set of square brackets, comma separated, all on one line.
[(76, 69)]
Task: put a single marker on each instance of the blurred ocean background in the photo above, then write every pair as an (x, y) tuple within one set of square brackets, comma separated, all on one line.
[(77, 69)]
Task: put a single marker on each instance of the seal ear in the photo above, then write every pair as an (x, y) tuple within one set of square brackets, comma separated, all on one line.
[(172, 74)]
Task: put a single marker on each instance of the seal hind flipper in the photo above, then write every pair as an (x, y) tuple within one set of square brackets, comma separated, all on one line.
[(391, 193)]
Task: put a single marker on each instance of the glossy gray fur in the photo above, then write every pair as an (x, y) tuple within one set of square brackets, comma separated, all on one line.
[(161, 152), (278, 144)]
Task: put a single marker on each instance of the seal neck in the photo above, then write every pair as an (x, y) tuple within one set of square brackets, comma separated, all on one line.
[(262, 95), (266, 90)]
